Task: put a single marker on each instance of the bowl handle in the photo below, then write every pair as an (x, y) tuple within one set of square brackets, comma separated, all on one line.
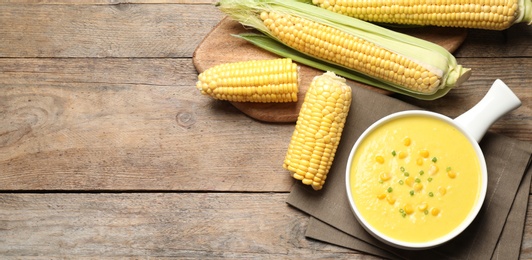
[(498, 101)]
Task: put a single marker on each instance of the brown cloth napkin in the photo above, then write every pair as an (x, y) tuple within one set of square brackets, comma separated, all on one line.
[(508, 163)]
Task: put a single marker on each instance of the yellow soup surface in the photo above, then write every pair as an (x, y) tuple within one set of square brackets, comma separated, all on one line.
[(415, 178)]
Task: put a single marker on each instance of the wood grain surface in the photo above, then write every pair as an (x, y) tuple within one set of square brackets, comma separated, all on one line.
[(107, 149), (170, 226), (119, 30), (147, 110)]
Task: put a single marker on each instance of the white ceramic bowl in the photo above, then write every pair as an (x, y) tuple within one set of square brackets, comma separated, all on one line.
[(473, 125)]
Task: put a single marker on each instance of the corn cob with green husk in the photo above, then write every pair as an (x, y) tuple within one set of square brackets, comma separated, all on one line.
[(480, 14), (398, 60), (264, 81), (318, 129)]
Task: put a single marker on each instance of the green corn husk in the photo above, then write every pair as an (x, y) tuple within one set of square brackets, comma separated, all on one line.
[(430, 55)]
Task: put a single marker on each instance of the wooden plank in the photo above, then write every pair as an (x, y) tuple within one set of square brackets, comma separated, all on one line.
[(513, 42), (140, 124), (131, 30), (160, 225), (164, 225), (68, 124)]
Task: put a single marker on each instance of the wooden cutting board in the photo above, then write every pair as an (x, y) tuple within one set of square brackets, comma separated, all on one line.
[(220, 47)]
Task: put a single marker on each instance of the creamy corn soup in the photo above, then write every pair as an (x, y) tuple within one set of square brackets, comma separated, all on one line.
[(415, 178)]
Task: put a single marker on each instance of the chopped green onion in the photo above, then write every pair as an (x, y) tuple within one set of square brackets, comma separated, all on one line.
[(434, 159), (431, 194), (393, 153)]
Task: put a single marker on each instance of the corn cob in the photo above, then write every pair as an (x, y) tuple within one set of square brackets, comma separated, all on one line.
[(399, 60), (318, 129), (274, 80), (480, 14)]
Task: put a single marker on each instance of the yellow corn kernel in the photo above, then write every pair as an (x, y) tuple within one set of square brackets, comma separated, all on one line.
[(408, 209), (379, 159), (433, 169), (451, 174), (481, 14), (410, 181), (435, 211), (424, 153), (418, 186), (385, 176), (442, 190), (391, 199), (419, 161), (381, 196), (265, 81), (318, 129), (402, 154), (423, 206), (407, 141)]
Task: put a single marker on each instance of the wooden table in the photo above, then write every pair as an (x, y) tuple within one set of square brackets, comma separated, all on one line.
[(107, 148)]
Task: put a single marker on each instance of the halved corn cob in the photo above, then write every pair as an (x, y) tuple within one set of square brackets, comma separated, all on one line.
[(274, 80), (318, 129), (397, 59), (480, 14)]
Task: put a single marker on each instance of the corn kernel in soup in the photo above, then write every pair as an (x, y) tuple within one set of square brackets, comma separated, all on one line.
[(424, 183)]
